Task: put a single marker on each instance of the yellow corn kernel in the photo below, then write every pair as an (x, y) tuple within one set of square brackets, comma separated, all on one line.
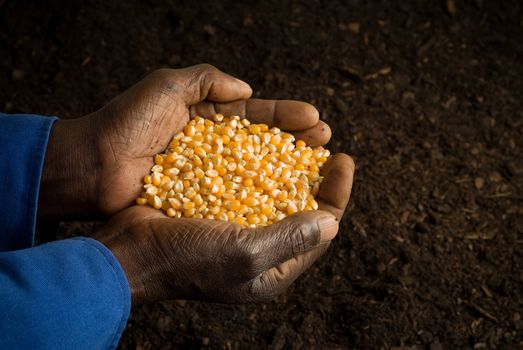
[(266, 209), (165, 205), (240, 138), (222, 171), (292, 208), (243, 209), (240, 220), (253, 219), (282, 196), (199, 173), (217, 181), (199, 128), (175, 203), (206, 182), (212, 173), (158, 159), (189, 130), (188, 205), (198, 200), (200, 152), (141, 201), (254, 129), (222, 216), (151, 191), (250, 201), (188, 213), (300, 143), (235, 205), (188, 152), (157, 179), (190, 193), (157, 202), (300, 166), (248, 182)]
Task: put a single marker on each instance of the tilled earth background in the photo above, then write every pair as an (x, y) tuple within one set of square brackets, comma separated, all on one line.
[(427, 96)]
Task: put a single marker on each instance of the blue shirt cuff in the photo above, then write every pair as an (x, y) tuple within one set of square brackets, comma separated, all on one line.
[(69, 294), (23, 142)]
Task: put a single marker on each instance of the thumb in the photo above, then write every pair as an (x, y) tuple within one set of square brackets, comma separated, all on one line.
[(293, 236), (205, 82)]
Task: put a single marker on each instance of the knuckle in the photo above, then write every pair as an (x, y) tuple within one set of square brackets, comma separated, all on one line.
[(166, 80), (205, 68), (162, 75), (298, 239)]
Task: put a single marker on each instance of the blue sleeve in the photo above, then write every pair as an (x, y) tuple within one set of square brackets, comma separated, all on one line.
[(23, 141), (69, 294)]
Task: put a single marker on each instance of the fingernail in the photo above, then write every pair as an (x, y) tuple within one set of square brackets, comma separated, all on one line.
[(328, 228)]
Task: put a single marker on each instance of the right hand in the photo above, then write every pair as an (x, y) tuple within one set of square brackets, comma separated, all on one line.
[(166, 258)]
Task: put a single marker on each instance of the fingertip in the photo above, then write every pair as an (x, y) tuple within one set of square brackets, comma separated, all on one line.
[(328, 226), (345, 162), (245, 86), (336, 187), (295, 115), (319, 135), (310, 113), (342, 162)]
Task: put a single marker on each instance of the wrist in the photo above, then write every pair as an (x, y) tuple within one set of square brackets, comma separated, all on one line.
[(69, 184), (128, 255)]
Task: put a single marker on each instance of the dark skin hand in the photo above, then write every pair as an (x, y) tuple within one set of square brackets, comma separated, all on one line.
[(218, 261), (95, 166)]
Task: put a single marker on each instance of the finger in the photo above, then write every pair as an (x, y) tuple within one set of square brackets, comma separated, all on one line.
[(277, 279), (335, 189), (284, 114), (290, 237), (204, 82), (318, 135)]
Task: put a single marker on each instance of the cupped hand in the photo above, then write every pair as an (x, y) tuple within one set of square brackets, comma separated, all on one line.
[(166, 258), (142, 121)]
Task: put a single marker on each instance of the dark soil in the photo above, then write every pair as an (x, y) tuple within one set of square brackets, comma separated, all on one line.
[(427, 96)]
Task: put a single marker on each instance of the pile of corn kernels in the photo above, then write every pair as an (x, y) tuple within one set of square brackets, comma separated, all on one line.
[(229, 169)]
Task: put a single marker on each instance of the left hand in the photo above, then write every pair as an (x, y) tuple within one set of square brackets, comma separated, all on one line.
[(169, 258), (95, 164)]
